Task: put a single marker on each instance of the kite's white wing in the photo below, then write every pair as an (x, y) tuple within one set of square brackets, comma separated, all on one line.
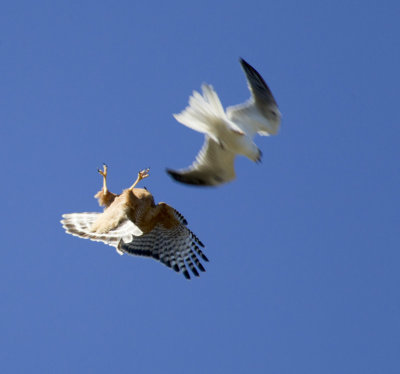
[(213, 165), (260, 114)]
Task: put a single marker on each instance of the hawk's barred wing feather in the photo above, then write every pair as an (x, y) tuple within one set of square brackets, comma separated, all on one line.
[(79, 224), (175, 248)]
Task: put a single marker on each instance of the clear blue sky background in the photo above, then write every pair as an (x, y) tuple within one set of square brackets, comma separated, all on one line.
[(304, 248)]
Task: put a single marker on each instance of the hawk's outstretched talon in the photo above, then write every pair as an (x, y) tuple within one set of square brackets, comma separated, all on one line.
[(103, 173), (141, 175), (144, 173)]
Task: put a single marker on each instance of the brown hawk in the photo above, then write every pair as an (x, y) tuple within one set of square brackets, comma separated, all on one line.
[(132, 223)]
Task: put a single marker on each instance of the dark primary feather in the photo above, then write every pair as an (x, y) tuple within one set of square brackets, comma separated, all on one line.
[(176, 248), (213, 166), (185, 177), (258, 87)]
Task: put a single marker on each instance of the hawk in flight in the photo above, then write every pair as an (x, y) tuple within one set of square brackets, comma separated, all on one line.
[(227, 132), (132, 223)]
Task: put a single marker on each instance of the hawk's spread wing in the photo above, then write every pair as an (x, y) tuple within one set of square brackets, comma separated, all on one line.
[(170, 242), (80, 224), (213, 165)]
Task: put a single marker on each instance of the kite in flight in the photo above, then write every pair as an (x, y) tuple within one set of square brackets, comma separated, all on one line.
[(227, 133), (132, 223)]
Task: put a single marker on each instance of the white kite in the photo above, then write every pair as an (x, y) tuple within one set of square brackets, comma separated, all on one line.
[(227, 133)]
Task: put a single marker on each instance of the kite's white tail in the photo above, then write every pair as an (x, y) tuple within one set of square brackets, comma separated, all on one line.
[(204, 113)]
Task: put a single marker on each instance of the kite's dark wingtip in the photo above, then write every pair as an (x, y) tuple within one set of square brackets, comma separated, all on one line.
[(183, 178), (243, 62), (172, 173)]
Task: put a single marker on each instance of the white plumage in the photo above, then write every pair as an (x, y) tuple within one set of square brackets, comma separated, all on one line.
[(227, 133)]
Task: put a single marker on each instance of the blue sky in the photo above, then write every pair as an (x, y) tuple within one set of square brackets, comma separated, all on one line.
[(304, 248)]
